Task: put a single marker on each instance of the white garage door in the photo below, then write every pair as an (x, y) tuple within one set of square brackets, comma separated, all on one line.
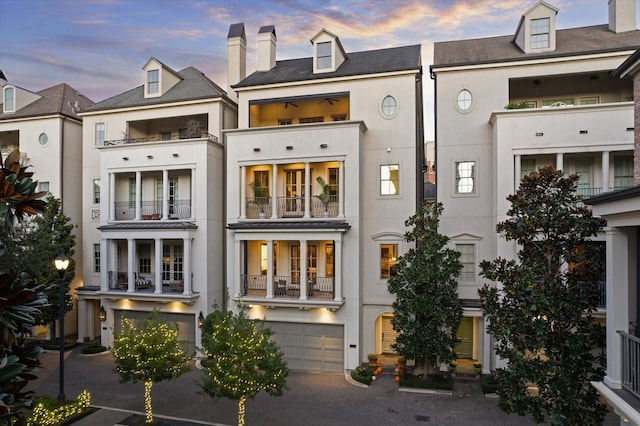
[(186, 324), (310, 347)]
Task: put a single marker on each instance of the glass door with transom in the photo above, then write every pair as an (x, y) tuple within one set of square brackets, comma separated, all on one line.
[(294, 193), (172, 263), (388, 335)]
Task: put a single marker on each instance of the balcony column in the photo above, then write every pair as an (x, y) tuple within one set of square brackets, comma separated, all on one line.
[(138, 195), (559, 161), (269, 269), (307, 189), (192, 214), (617, 302), (274, 192), (158, 265), (605, 171), (186, 267), (341, 189), (337, 270), (83, 320), (112, 196), (243, 192), (237, 290), (517, 171), (165, 194), (107, 263), (303, 270), (131, 256)]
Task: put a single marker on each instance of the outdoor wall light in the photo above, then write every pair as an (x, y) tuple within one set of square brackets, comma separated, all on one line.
[(125, 158), (323, 145), (200, 320), (289, 147), (256, 149), (103, 314), (389, 149)]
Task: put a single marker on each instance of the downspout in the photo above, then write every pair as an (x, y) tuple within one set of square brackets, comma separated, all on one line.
[(225, 289), (61, 164), (420, 159), (435, 125)]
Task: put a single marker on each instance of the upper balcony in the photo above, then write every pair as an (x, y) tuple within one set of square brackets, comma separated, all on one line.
[(317, 108)]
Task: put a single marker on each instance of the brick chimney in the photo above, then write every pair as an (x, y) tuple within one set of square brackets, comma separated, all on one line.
[(622, 15), (266, 48), (236, 57)]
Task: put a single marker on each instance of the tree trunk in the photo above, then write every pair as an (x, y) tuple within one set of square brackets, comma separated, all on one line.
[(241, 402), (147, 402)]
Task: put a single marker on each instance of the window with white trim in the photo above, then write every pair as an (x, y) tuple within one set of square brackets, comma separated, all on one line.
[(527, 165), (153, 81), (389, 106), (464, 100), (390, 179), (622, 171), (96, 191), (9, 99), (144, 258), (540, 33), (99, 134), (323, 55), (96, 258), (388, 259), (468, 260), (43, 186), (465, 177)]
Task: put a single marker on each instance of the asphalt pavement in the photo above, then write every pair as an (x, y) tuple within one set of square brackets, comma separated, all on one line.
[(311, 399)]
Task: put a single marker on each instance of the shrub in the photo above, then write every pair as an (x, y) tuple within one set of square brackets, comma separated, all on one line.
[(431, 382), (517, 105), (362, 374), (489, 384), (93, 348), (372, 357), (45, 414)]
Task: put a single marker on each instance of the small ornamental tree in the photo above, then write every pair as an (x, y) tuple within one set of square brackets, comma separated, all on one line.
[(541, 313), (149, 352), (427, 311), (242, 359)]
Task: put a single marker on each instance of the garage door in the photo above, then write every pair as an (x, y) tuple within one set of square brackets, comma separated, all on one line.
[(310, 347), (186, 324)]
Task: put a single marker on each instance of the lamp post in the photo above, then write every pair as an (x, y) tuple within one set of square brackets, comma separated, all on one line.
[(61, 263)]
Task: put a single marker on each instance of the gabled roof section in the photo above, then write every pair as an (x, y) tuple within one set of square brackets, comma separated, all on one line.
[(359, 63), (237, 30), (570, 42), (540, 11), (60, 99), (194, 85)]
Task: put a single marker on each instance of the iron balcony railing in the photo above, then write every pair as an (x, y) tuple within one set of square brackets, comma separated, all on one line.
[(630, 362), (124, 141), (286, 286), (152, 210), (291, 207)]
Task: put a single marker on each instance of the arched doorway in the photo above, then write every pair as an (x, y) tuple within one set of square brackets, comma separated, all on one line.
[(388, 334)]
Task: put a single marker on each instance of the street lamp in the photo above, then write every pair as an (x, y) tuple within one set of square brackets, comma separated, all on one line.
[(61, 263)]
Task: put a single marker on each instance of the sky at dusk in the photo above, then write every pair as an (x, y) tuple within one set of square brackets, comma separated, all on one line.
[(99, 46)]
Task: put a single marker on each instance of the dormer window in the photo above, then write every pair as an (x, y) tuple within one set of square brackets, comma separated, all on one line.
[(324, 55), (153, 82), (540, 33), (9, 101)]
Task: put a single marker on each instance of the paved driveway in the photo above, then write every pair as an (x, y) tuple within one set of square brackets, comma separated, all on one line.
[(312, 399)]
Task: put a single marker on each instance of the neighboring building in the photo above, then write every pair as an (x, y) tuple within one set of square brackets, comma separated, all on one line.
[(621, 210), (575, 116), (46, 128), (153, 197), (313, 261)]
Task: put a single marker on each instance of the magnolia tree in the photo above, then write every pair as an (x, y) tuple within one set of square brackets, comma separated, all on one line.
[(242, 360), (540, 313), (427, 311), (149, 352)]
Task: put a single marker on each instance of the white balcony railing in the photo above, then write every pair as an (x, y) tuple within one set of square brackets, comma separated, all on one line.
[(630, 363)]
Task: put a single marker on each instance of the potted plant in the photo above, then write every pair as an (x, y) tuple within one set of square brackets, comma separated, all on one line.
[(373, 362), (477, 367), (260, 196), (325, 194), (452, 367)]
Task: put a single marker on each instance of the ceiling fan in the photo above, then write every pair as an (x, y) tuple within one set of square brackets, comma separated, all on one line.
[(330, 100), (286, 105)]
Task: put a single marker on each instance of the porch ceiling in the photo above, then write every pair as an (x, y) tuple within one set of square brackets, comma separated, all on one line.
[(189, 299), (293, 225)]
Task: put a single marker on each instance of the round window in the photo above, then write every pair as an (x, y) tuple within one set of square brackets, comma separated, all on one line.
[(43, 138), (464, 100), (389, 106)]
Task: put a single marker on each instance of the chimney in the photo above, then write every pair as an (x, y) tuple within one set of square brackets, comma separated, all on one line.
[(266, 48), (236, 57), (622, 15)]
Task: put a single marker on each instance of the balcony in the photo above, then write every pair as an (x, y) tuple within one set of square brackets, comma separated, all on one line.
[(148, 139), (291, 207), (152, 210), (144, 286), (630, 363), (288, 287)]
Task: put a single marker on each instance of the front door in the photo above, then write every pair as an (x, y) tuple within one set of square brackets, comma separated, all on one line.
[(465, 333), (388, 335)]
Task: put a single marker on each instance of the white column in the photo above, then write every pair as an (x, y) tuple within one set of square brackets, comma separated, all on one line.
[(138, 195), (192, 214), (341, 189), (269, 269), (158, 265), (165, 194), (559, 161), (337, 270), (274, 191), (236, 274), (106, 264), (617, 302), (605, 171), (307, 189), (517, 171), (131, 255), (303, 270), (243, 192), (112, 196), (82, 320), (186, 266)]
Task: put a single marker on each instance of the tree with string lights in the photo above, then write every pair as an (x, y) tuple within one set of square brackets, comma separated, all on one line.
[(242, 360), (149, 352)]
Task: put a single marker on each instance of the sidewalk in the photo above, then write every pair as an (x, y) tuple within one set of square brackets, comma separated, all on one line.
[(311, 399)]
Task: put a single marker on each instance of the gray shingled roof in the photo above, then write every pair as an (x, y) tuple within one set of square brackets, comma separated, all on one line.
[(358, 63), (573, 41), (194, 85), (60, 99)]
